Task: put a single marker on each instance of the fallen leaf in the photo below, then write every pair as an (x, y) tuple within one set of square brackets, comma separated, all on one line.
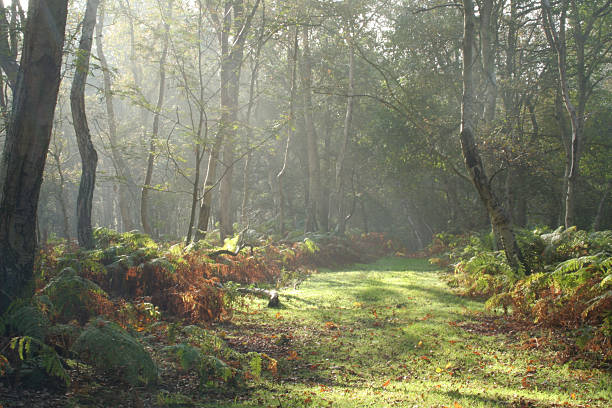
[(293, 355), (331, 326), (457, 405), (386, 383)]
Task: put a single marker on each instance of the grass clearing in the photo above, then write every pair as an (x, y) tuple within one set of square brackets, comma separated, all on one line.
[(393, 334)]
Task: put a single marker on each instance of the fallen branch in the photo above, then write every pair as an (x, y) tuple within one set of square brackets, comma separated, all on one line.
[(271, 295), (215, 254)]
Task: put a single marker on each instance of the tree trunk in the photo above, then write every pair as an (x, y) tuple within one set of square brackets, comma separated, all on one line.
[(8, 51), (144, 198), (89, 157), (314, 182), (26, 144), (128, 191), (575, 112), (194, 194), (473, 162), (61, 196), (488, 35), (348, 119), (602, 206), (231, 65), (290, 129), (209, 184), (249, 133)]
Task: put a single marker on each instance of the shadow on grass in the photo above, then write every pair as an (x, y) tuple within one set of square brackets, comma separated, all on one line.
[(487, 401), (387, 264), (439, 295), (376, 294)]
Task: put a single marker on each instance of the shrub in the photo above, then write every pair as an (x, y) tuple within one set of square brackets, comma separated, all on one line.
[(74, 297), (25, 318), (110, 349)]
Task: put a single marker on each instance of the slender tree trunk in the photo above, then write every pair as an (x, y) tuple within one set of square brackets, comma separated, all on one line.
[(249, 134), (290, 129), (348, 119), (144, 198), (128, 191), (364, 215), (89, 157), (61, 196), (202, 127), (488, 35), (557, 40), (209, 184), (7, 49), (314, 182), (473, 162), (27, 142), (602, 206), (231, 63)]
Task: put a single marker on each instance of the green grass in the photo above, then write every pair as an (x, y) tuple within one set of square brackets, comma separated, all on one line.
[(393, 334)]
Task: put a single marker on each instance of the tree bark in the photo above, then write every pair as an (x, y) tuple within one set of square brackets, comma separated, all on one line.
[(26, 144), (89, 157), (471, 155)]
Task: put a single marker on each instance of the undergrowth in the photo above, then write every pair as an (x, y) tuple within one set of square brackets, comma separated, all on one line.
[(103, 311), (569, 287)]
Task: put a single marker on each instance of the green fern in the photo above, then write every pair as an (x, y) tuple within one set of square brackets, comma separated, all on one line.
[(71, 295), (25, 318), (208, 368), (163, 264), (577, 271), (189, 357), (255, 364), (28, 347), (109, 348), (310, 246)]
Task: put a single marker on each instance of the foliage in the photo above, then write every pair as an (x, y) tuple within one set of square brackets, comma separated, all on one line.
[(110, 349), (25, 318), (568, 289), (132, 240), (208, 368), (32, 349), (74, 297)]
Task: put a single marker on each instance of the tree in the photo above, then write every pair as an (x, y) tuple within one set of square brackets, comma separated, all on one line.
[(89, 156), (146, 187), (127, 187), (471, 155), (314, 180), (232, 29), (586, 27), (26, 144)]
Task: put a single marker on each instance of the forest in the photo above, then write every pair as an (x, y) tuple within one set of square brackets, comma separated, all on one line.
[(264, 203)]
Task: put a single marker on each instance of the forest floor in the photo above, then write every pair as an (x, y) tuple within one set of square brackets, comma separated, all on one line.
[(387, 334), (392, 333)]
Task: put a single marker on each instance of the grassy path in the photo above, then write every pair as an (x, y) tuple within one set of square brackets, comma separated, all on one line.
[(393, 334)]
